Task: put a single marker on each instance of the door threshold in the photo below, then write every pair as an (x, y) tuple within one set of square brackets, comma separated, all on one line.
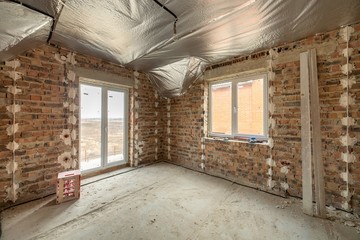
[(104, 170)]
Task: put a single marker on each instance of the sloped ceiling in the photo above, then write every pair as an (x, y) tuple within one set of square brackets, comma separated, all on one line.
[(173, 40), (21, 28)]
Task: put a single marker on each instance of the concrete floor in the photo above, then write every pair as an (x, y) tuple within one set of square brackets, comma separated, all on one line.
[(163, 201)]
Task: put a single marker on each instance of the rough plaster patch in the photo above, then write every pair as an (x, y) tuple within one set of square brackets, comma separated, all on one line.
[(348, 157), (65, 159), (347, 140), (72, 119), (346, 32), (284, 186), (270, 172), (168, 148), (202, 157), (272, 122), (65, 136), (12, 192), (271, 76), (74, 163), (347, 68), (12, 146), (136, 136), (60, 59), (272, 108), (13, 64), (73, 107), (156, 140), (346, 100), (73, 134), (271, 142), (270, 162), (168, 122), (137, 105), (71, 75), (168, 130), (14, 75), (346, 194), (156, 104), (136, 73), (345, 205), (284, 169), (71, 58), (168, 140), (74, 151), (271, 91), (13, 108), (348, 121), (11, 129), (346, 177), (168, 115), (136, 115), (270, 183), (168, 107), (347, 52), (156, 131), (11, 167), (72, 93), (66, 104), (273, 54), (202, 166), (351, 81), (13, 90), (156, 123)]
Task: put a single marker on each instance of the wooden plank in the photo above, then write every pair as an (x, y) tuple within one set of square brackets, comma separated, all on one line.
[(316, 136), (306, 135)]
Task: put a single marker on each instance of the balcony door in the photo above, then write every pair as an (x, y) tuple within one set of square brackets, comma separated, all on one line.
[(103, 126)]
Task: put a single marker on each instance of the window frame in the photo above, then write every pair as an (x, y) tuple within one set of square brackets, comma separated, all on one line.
[(234, 107), (105, 88)]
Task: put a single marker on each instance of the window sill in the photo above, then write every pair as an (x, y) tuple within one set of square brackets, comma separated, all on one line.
[(234, 140)]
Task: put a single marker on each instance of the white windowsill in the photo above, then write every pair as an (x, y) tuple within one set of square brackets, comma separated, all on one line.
[(234, 140)]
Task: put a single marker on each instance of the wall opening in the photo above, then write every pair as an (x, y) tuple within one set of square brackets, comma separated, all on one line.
[(103, 126)]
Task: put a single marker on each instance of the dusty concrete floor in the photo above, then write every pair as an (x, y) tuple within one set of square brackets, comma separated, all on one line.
[(163, 201)]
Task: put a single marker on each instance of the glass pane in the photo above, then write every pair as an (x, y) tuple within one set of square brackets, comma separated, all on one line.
[(90, 125), (251, 107), (221, 108), (116, 127)]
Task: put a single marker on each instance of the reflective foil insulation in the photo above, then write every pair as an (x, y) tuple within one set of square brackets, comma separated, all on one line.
[(170, 40)]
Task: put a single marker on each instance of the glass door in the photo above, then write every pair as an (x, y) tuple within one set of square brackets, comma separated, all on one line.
[(103, 126), (115, 126)]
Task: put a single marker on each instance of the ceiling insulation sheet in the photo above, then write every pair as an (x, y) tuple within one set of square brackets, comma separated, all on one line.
[(21, 29), (50, 8), (173, 40)]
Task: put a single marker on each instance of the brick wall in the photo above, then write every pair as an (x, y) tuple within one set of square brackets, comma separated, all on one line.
[(43, 117), (249, 163)]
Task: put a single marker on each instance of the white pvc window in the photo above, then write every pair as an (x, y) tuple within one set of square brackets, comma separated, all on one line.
[(238, 108)]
